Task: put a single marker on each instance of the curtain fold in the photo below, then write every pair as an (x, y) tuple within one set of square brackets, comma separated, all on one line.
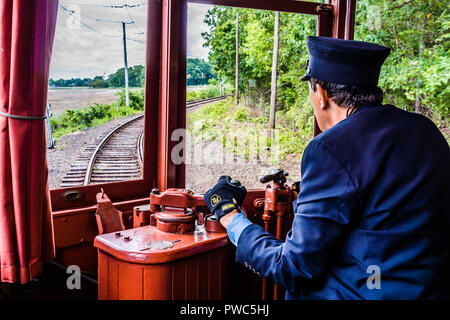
[(26, 231)]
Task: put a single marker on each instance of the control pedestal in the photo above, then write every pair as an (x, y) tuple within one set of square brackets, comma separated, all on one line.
[(182, 253)]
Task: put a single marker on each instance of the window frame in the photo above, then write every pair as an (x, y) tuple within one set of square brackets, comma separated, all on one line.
[(132, 189)]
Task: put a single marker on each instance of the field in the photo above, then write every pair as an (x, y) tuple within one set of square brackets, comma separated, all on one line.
[(76, 98)]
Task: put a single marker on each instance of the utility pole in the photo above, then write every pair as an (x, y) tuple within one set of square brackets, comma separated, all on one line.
[(236, 86), (273, 96), (127, 90)]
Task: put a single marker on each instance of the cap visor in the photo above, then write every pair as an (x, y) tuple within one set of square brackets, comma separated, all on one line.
[(305, 78)]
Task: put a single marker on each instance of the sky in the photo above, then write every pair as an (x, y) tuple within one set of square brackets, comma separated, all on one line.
[(85, 47)]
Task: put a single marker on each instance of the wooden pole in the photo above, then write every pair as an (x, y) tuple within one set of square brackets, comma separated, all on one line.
[(273, 89), (127, 91), (236, 86)]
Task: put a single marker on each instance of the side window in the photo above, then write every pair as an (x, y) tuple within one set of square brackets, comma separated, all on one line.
[(96, 94), (247, 111)]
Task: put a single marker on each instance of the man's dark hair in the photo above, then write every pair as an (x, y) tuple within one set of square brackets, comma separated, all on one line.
[(349, 96)]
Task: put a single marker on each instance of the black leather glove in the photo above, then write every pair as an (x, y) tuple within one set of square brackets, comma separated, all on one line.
[(219, 199)]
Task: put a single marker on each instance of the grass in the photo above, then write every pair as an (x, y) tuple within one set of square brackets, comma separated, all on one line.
[(97, 114), (209, 92), (74, 120), (81, 119), (224, 120)]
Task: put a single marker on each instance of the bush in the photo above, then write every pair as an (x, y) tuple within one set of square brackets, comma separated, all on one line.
[(97, 114), (136, 99), (210, 92), (240, 115)]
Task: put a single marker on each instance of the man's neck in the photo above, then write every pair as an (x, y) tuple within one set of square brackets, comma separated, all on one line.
[(336, 115)]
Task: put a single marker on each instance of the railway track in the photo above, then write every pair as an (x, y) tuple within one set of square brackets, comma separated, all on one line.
[(114, 156), (196, 103)]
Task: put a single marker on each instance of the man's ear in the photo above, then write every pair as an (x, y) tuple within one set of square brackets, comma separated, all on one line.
[(323, 96)]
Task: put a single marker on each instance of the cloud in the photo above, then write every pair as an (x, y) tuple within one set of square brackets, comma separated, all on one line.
[(85, 47), (195, 27)]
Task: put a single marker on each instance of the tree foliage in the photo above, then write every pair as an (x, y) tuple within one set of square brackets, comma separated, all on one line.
[(136, 77), (256, 30), (415, 77), (198, 72)]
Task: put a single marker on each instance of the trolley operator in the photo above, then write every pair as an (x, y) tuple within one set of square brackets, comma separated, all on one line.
[(374, 194)]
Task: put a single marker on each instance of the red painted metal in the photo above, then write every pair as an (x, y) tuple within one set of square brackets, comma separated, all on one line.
[(350, 19), (172, 113), (108, 218), (152, 91), (212, 225), (339, 13), (339, 24), (202, 275), (76, 229), (179, 198), (295, 6), (277, 208), (131, 245), (325, 22), (175, 210), (141, 216), (344, 18), (190, 267)]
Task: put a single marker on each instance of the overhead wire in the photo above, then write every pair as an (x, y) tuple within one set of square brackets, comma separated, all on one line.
[(132, 19), (74, 15), (107, 6)]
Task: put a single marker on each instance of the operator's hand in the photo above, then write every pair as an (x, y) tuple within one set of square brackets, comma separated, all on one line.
[(226, 196)]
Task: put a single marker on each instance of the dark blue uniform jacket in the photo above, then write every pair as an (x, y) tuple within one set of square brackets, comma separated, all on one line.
[(374, 200)]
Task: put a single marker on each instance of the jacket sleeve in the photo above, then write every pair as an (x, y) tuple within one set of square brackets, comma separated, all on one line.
[(326, 203)]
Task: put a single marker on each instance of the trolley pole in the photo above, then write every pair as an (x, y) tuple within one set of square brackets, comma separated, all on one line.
[(127, 92), (273, 87)]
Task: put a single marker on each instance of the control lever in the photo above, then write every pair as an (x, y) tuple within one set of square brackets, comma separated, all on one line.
[(236, 183), (277, 204), (278, 176)]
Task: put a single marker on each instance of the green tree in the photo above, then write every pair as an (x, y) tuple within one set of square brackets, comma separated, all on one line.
[(136, 77), (416, 75), (198, 72), (221, 39)]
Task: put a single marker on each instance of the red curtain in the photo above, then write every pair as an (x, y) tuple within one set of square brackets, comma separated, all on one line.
[(26, 230)]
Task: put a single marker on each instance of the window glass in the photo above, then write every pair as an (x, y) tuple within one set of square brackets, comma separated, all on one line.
[(96, 95), (230, 135)]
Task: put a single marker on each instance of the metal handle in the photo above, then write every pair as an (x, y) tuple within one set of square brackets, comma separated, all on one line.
[(72, 195)]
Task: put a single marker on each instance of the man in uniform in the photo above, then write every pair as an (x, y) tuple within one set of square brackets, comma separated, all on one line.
[(372, 218)]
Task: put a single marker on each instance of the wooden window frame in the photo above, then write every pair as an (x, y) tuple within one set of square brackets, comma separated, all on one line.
[(133, 189)]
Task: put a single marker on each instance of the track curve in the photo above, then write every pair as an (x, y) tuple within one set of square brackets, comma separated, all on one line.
[(116, 155)]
